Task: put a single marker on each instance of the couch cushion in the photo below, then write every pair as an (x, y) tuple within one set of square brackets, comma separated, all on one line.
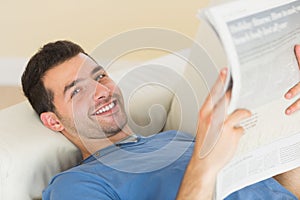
[(30, 153)]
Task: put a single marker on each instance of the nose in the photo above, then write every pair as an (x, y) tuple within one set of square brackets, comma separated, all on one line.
[(101, 91)]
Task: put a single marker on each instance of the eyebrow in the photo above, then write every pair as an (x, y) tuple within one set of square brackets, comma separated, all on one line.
[(96, 69), (72, 84)]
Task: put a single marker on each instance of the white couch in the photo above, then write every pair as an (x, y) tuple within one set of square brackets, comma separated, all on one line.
[(161, 94)]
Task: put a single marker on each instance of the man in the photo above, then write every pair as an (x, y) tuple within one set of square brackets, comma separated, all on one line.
[(72, 94)]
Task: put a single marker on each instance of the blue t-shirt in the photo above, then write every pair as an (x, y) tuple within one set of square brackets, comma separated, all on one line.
[(148, 168)]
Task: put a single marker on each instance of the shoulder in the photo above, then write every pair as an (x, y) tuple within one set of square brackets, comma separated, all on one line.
[(78, 185)]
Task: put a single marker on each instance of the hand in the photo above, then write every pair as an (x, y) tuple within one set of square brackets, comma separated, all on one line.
[(199, 179), (294, 90), (230, 132)]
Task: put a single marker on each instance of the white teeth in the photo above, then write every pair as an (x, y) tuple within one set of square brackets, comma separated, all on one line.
[(106, 108)]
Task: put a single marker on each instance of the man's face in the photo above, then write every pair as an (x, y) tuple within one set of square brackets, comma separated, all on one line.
[(87, 101)]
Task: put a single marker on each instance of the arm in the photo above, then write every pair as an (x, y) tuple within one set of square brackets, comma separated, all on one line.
[(200, 176), (290, 181)]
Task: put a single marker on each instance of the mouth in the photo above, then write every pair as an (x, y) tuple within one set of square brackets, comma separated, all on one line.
[(105, 109)]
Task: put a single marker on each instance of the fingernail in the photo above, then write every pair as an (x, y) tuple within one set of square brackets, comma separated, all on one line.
[(288, 95), (288, 111), (224, 71)]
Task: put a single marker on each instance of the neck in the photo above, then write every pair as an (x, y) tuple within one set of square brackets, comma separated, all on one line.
[(90, 146)]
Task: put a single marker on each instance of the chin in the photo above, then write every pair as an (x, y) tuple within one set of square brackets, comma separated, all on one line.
[(111, 131)]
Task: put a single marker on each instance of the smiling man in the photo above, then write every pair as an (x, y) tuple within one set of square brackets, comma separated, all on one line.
[(73, 95), (82, 104)]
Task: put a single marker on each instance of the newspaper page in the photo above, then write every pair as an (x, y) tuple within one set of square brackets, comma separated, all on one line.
[(259, 39)]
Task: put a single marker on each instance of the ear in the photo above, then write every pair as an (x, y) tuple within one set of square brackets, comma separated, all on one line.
[(51, 121)]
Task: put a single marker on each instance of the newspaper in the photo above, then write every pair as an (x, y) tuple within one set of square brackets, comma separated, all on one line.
[(259, 38)]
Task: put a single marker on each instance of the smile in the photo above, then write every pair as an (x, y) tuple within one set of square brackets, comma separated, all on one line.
[(105, 108)]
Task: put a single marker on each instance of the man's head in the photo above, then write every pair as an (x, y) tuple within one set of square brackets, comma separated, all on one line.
[(49, 56), (72, 93)]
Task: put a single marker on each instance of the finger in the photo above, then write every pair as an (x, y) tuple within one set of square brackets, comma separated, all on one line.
[(293, 108), (293, 91), (297, 53), (228, 97), (220, 109), (216, 91), (237, 116)]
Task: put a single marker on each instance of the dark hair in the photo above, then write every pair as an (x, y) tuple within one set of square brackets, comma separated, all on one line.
[(49, 56)]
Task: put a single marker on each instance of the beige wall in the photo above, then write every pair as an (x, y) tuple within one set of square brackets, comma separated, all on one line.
[(10, 95), (26, 25)]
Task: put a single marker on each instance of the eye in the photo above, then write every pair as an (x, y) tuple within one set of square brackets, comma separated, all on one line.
[(100, 76), (75, 91)]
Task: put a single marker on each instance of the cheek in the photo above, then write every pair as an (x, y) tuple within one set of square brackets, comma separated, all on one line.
[(62, 108), (80, 106), (112, 85), (115, 89)]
